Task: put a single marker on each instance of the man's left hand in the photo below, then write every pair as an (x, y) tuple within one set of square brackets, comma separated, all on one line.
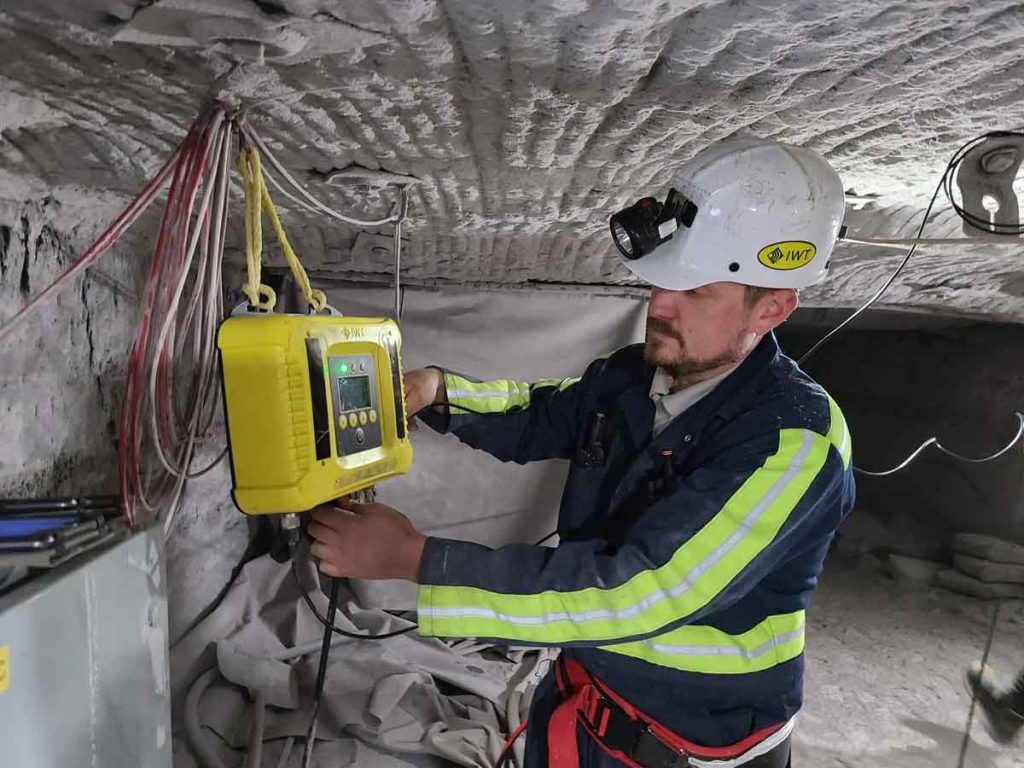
[(365, 541)]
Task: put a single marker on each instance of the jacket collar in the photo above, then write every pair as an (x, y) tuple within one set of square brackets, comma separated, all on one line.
[(723, 402), (728, 398), (731, 396)]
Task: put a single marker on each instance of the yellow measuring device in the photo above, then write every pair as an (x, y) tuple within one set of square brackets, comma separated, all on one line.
[(315, 403), (315, 407)]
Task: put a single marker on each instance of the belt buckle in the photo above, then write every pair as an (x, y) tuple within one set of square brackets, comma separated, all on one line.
[(631, 737), (651, 752), (635, 739), (619, 731)]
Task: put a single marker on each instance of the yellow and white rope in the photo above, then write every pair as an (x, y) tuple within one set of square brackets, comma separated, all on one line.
[(257, 196)]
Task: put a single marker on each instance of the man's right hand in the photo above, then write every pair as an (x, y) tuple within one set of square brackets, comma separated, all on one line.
[(423, 388)]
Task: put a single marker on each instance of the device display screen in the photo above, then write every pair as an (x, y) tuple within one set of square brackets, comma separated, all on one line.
[(355, 392)]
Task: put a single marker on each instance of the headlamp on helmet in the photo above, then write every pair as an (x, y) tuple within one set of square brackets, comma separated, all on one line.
[(643, 226)]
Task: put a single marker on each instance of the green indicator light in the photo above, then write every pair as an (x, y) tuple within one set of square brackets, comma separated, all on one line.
[(343, 368)]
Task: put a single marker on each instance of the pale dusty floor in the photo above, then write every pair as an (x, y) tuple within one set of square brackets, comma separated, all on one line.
[(885, 673)]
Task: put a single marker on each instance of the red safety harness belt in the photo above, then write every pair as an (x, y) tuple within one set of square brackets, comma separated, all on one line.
[(621, 730)]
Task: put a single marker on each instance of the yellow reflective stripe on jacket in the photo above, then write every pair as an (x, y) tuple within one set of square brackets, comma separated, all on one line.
[(496, 396), (708, 650), (703, 566), (839, 433)]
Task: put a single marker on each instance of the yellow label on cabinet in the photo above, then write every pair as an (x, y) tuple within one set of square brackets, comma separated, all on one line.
[(5, 668)]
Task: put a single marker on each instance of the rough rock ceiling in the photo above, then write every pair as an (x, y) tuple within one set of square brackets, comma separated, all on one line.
[(528, 123)]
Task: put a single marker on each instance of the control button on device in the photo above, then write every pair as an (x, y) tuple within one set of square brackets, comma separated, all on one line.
[(360, 436)]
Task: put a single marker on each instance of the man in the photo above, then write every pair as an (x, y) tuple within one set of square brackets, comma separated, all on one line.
[(1003, 706), (708, 475)]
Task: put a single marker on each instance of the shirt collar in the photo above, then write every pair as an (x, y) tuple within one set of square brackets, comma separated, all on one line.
[(661, 383), (677, 402)]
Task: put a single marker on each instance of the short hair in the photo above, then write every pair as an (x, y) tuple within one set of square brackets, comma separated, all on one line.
[(755, 292)]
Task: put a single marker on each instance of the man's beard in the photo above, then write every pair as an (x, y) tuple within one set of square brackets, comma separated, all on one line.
[(680, 364)]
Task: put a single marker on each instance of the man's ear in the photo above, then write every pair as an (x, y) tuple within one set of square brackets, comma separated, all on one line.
[(773, 309)]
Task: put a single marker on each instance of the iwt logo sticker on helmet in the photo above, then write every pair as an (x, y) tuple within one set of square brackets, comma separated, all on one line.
[(791, 254)]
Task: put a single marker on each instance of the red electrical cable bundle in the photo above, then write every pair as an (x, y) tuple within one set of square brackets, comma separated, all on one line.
[(124, 220), (170, 400), (172, 363)]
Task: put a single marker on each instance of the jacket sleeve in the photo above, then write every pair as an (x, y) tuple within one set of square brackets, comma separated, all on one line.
[(695, 551), (512, 420)]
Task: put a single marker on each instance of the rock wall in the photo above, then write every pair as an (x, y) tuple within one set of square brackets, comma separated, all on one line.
[(62, 372), (898, 388)]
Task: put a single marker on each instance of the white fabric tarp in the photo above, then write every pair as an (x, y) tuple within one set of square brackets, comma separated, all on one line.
[(456, 492), (402, 696), (407, 700)]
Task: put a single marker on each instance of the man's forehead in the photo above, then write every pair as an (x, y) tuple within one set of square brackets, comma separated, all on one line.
[(722, 288)]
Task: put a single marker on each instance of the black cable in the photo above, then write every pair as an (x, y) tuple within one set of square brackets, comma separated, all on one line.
[(945, 184), (974, 699), (470, 410), (549, 536), (508, 750), (321, 674), (505, 757), (885, 286), (1011, 230), (330, 624), (463, 408)]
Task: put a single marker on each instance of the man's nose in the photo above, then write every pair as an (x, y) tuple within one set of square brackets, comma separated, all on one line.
[(660, 304)]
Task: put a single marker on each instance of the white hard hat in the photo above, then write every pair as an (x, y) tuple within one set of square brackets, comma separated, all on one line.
[(750, 211)]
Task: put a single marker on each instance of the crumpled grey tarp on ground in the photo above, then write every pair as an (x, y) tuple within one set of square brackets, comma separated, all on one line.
[(407, 700)]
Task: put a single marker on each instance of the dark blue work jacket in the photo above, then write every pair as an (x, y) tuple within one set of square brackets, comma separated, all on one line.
[(686, 560)]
